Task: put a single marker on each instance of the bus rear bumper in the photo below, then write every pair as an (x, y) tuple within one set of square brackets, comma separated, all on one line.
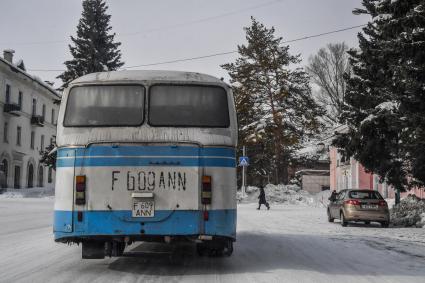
[(188, 224)]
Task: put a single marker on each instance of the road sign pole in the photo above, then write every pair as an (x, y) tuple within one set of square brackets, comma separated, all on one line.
[(243, 174)]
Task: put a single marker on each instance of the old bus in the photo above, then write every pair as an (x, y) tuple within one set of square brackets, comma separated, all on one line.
[(146, 156)]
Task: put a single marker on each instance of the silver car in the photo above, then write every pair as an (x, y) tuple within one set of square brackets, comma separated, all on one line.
[(359, 206)]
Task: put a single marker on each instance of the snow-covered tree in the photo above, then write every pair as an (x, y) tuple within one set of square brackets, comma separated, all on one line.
[(327, 69), (274, 102), (386, 93), (49, 155), (94, 49)]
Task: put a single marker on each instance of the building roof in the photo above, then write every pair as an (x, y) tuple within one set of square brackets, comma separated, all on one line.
[(141, 75), (16, 69), (313, 172)]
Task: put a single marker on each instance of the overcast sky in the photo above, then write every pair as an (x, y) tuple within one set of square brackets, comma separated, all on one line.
[(165, 30)]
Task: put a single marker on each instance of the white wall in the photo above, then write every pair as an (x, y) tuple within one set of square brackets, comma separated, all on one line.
[(22, 155), (313, 184)]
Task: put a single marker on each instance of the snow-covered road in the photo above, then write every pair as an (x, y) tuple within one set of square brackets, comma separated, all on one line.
[(285, 244)]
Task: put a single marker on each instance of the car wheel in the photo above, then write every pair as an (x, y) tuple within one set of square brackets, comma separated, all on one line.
[(343, 221), (330, 219), (385, 224)]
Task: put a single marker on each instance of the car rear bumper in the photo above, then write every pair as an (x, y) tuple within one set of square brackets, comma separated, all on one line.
[(366, 215)]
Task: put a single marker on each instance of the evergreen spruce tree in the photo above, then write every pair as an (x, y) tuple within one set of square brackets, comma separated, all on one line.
[(385, 98), (94, 48), (49, 155), (274, 103)]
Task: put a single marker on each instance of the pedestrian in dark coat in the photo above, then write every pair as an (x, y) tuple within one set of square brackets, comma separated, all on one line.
[(262, 199), (333, 196)]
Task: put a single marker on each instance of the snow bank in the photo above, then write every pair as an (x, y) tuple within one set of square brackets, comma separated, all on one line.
[(410, 212), (322, 199), (29, 193), (285, 194)]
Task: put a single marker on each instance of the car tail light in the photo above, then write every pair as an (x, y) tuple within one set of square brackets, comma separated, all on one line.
[(206, 190), (80, 189), (382, 203), (352, 202)]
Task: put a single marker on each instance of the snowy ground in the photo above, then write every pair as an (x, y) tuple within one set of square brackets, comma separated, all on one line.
[(285, 194), (38, 192), (289, 243)]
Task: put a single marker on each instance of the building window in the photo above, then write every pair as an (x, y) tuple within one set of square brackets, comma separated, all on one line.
[(43, 112), (375, 182), (53, 116), (40, 176), (42, 142), (17, 178), (18, 135), (7, 94), (32, 140), (20, 100), (5, 169), (34, 107), (5, 133), (30, 176), (49, 175)]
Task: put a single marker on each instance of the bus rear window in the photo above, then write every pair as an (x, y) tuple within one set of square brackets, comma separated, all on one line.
[(97, 106), (188, 106)]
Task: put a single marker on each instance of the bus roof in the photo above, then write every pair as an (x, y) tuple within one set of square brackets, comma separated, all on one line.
[(82, 136), (147, 75)]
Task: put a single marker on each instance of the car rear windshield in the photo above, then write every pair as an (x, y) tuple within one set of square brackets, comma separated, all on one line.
[(188, 106), (97, 106), (365, 195)]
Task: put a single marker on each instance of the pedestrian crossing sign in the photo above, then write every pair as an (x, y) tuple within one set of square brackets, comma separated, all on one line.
[(243, 161)]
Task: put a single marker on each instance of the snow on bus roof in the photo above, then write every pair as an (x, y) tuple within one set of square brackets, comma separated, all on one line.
[(142, 75)]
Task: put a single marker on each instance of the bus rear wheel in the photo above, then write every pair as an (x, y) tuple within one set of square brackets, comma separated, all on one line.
[(228, 249), (215, 248), (115, 248), (92, 249)]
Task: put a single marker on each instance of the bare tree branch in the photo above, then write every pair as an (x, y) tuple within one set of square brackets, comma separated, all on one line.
[(326, 70)]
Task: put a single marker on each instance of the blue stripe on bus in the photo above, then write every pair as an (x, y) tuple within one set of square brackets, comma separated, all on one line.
[(96, 150), (143, 161), (166, 222)]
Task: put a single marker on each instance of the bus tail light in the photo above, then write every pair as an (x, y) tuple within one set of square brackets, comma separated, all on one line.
[(80, 190), (206, 194), (206, 215)]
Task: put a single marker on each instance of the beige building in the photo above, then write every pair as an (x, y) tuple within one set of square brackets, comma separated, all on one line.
[(314, 181), (28, 113)]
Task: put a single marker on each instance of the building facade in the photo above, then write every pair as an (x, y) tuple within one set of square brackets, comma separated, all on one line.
[(314, 181), (28, 113), (348, 173)]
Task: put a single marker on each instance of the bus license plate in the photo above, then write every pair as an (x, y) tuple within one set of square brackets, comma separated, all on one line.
[(143, 209)]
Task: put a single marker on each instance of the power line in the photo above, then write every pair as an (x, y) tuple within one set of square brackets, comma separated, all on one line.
[(182, 60), (178, 25), (325, 33), (234, 51), (203, 20), (218, 54)]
